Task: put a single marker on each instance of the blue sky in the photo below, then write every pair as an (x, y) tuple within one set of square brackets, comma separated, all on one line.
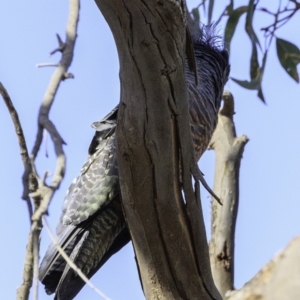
[(269, 200)]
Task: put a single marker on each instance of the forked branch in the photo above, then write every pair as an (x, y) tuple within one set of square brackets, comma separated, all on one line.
[(43, 194)]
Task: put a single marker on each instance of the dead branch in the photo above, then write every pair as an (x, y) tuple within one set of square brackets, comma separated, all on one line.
[(29, 184), (277, 280), (42, 65), (44, 123), (23, 290), (229, 149), (44, 193), (29, 181)]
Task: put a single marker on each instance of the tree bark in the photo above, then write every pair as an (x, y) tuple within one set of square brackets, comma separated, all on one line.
[(153, 129)]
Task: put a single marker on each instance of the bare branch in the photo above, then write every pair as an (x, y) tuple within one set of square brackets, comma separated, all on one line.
[(281, 17), (23, 290), (17, 124), (71, 263), (29, 181), (46, 65), (278, 279), (229, 150), (29, 184), (31, 263), (43, 195), (46, 192)]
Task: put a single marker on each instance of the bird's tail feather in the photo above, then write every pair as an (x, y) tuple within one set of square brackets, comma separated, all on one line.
[(104, 236)]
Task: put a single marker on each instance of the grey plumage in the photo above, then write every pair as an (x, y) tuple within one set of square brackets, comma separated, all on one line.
[(92, 226), (91, 219)]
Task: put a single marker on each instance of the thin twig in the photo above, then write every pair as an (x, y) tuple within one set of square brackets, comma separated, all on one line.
[(29, 182), (279, 19), (223, 14), (71, 263), (46, 65), (17, 124)]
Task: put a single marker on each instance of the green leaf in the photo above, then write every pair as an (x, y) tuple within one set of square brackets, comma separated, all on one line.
[(289, 57), (261, 95), (248, 25), (232, 23), (210, 10), (229, 7), (254, 65), (196, 15), (255, 84), (263, 64), (249, 85)]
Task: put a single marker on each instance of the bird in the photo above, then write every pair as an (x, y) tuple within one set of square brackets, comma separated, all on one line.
[(92, 225)]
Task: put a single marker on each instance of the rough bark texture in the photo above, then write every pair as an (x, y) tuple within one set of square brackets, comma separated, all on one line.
[(278, 280), (229, 149), (153, 126)]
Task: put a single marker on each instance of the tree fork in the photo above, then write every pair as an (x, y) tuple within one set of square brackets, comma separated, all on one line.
[(153, 126)]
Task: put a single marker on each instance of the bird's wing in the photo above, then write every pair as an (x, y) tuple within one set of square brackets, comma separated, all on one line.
[(95, 187), (98, 182)]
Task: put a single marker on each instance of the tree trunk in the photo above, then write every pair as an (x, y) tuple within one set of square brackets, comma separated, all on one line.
[(153, 128)]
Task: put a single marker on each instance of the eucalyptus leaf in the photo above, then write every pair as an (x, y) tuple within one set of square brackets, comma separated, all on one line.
[(255, 84), (196, 15), (261, 95), (229, 7), (231, 24), (210, 10), (248, 25), (254, 65), (289, 57), (249, 85)]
